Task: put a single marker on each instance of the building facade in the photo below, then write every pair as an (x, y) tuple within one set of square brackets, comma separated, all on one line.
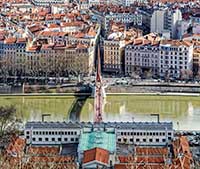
[(136, 133), (125, 18), (166, 20), (145, 134), (47, 2), (176, 58), (38, 133), (113, 56), (142, 58), (166, 58)]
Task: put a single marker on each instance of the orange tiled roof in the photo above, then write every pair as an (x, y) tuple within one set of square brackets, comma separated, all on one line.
[(96, 154), (10, 40), (141, 159), (16, 146), (151, 151), (43, 151), (139, 166), (183, 156)]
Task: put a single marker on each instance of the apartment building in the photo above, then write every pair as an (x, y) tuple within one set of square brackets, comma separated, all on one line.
[(108, 14), (166, 20), (125, 18), (18, 56), (12, 51), (176, 57), (114, 45), (196, 63), (166, 58), (47, 2), (142, 57), (113, 56), (131, 2)]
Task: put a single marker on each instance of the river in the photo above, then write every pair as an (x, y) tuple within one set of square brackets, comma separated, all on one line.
[(184, 111)]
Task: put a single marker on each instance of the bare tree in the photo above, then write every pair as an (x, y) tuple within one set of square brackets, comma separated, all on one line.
[(7, 118)]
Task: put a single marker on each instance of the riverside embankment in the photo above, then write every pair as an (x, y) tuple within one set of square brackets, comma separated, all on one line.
[(154, 88)]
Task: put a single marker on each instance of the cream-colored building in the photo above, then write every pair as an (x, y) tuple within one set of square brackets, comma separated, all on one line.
[(45, 60), (196, 62), (113, 56)]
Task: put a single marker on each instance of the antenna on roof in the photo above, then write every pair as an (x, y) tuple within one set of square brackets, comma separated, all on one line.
[(158, 117), (45, 115)]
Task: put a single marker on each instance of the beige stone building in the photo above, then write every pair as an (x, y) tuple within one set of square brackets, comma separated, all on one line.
[(196, 63), (113, 56), (21, 57)]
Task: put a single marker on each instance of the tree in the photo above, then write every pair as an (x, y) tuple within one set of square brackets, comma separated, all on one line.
[(186, 74), (7, 118)]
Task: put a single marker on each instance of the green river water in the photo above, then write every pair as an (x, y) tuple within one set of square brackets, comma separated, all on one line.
[(184, 111)]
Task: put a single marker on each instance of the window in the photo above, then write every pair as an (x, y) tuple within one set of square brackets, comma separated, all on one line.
[(137, 140), (131, 140), (76, 139), (72, 139), (144, 140), (52, 139), (27, 132), (40, 139), (66, 139), (150, 140), (27, 137), (46, 139), (59, 139), (119, 139), (157, 140), (163, 140), (33, 138)]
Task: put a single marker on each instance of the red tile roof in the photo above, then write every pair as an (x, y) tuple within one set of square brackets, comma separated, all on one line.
[(139, 166), (183, 156), (16, 147), (96, 154), (43, 151), (151, 151)]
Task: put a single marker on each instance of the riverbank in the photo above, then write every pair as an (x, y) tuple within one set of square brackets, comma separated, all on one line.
[(156, 88), (107, 94), (136, 88)]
